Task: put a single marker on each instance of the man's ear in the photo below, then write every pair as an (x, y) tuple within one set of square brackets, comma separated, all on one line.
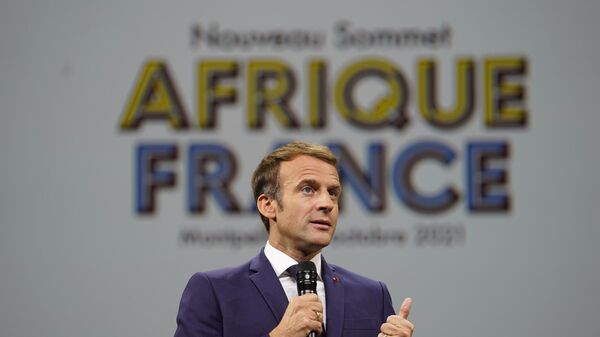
[(266, 206)]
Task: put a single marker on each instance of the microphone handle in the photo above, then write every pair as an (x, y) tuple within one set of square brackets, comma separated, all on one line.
[(304, 292), (308, 291)]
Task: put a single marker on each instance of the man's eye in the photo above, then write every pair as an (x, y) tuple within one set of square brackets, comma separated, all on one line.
[(307, 189)]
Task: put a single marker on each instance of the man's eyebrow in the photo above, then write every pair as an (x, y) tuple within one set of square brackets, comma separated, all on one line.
[(308, 181), (313, 182), (336, 187)]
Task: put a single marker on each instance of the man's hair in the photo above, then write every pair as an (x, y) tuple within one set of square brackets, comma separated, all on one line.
[(265, 179)]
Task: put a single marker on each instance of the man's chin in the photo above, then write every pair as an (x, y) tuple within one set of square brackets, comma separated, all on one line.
[(322, 242)]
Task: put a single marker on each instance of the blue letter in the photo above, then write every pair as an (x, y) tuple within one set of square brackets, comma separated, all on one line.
[(485, 185), (369, 185), (212, 167), (401, 176), (148, 178)]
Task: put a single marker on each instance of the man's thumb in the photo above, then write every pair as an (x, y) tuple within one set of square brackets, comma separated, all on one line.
[(405, 307)]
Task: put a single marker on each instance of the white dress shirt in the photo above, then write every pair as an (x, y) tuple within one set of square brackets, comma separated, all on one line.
[(280, 262)]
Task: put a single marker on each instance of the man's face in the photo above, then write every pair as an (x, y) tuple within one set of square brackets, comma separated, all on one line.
[(306, 217)]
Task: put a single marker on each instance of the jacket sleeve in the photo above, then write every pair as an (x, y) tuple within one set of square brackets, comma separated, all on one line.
[(199, 311), (388, 308)]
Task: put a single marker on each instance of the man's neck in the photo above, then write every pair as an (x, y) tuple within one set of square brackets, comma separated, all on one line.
[(296, 254), (280, 261)]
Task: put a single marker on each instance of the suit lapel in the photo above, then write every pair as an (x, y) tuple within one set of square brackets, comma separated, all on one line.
[(264, 278), (334, 291)]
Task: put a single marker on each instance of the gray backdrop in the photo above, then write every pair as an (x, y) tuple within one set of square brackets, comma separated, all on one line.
[(77, 259)]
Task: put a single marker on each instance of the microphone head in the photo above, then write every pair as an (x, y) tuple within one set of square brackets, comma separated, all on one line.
[(306, 278)]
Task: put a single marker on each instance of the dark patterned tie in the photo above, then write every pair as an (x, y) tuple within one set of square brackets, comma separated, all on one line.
[(293, 271)]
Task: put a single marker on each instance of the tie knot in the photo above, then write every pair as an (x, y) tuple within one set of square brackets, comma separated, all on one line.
[(293, 271)]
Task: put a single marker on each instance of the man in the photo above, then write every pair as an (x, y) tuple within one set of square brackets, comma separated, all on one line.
[(296, 188)]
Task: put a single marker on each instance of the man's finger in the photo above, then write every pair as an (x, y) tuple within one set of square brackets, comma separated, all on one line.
[(405, 307)]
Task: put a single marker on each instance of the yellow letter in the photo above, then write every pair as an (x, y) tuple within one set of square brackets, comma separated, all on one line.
[(465, 94), (503, 99), (317, 90), (389, 109), (154, 97), (270, 85), (210, 94)]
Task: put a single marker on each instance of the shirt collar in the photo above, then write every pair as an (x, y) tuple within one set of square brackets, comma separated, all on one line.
[(280, 261)]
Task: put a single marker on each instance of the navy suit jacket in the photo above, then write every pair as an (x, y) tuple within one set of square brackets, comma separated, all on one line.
[(249, 301)]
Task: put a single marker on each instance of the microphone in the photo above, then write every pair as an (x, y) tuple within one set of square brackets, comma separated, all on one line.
[(306, 280)]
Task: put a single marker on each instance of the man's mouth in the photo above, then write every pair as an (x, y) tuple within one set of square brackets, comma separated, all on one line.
[(321, 222)]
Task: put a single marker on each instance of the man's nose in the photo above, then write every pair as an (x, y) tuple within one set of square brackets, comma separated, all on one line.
[(325, 202)]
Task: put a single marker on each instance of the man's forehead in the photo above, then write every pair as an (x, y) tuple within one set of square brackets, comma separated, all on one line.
[(307, 167)]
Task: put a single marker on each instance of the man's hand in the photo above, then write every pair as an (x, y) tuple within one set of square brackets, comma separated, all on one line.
[(398, 325), (303, 315)]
